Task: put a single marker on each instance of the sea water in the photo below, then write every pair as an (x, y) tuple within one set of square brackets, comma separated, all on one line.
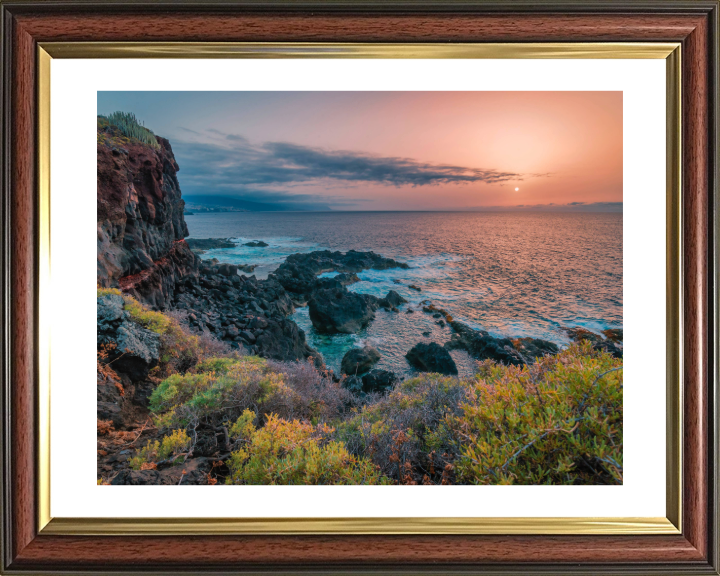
[(512, 274)]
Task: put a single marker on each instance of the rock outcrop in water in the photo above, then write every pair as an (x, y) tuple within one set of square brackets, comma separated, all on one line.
[(333, 308), (357, 361), (299, 273), (201, 245), (392, 301), (431, 358), (612, 343), (482, 346)]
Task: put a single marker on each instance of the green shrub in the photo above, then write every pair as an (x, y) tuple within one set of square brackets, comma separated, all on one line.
[(222, 365), (222, 393), (129, 126), (106, 291), (171, 447), (293, 452), (155, 321), (556, 422), (406, 433)]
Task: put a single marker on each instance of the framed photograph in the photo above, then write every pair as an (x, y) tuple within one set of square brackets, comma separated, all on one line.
[(362, 283)]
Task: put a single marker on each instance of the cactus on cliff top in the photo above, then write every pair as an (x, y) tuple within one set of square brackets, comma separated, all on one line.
[(129, 126)]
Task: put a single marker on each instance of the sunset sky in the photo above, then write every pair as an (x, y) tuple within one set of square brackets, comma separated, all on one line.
[(391, 150)]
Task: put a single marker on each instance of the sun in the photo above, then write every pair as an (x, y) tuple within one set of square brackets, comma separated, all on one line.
[(517, 189)]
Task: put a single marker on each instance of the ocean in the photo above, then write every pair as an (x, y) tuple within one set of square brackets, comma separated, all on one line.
[(512, 274)]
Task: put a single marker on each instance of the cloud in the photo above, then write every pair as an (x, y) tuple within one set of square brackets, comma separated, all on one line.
[(230, 162)]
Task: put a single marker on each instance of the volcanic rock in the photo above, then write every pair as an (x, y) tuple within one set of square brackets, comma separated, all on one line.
[(392, 300), (378, 381), (334, 309), (482, 346), (298, 274), (431, 358), (599, 344), (282, 339), (131, 348), (359, 360), (209, 243), (193, 471), (139, 206)]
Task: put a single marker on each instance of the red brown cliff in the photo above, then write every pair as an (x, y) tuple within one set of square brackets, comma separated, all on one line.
[(140, 223)]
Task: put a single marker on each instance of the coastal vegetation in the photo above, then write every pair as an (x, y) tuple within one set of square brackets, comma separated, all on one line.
[(555, 421), (204, 377), (129, 127)]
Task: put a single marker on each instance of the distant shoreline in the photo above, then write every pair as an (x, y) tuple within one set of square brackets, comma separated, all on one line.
[(479, 211)]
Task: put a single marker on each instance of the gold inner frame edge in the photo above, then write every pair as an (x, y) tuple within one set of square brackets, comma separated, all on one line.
[(501, 526)]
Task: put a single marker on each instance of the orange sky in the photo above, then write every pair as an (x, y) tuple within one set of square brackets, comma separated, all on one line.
[(565, 146)]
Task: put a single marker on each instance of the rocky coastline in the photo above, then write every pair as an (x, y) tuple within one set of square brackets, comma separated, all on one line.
[(146, 266)]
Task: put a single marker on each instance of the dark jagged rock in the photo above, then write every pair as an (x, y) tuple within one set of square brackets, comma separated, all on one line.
[(334, 309), (615, 335), (155, 286), (359, 360), (579, 334), (110, 400), (599, 344), (374, 381), (431, 358), (481, 346), (245, 312), (282, 339), (256, 244), (347, 278), (532, 348), (194, 471), (299, 272), (414, 287), (378, 381), (228, 270), (436, 312), (392, 300), (131, 349), (204, 244), (354, 384), (110, 312), (609, 347)]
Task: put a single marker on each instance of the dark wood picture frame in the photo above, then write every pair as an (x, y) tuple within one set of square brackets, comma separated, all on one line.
[(693, 23)]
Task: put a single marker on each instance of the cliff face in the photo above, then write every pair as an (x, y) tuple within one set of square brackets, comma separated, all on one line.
[(140, 223)]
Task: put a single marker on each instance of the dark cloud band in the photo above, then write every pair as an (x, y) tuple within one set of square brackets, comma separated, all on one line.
[(241, 164)]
